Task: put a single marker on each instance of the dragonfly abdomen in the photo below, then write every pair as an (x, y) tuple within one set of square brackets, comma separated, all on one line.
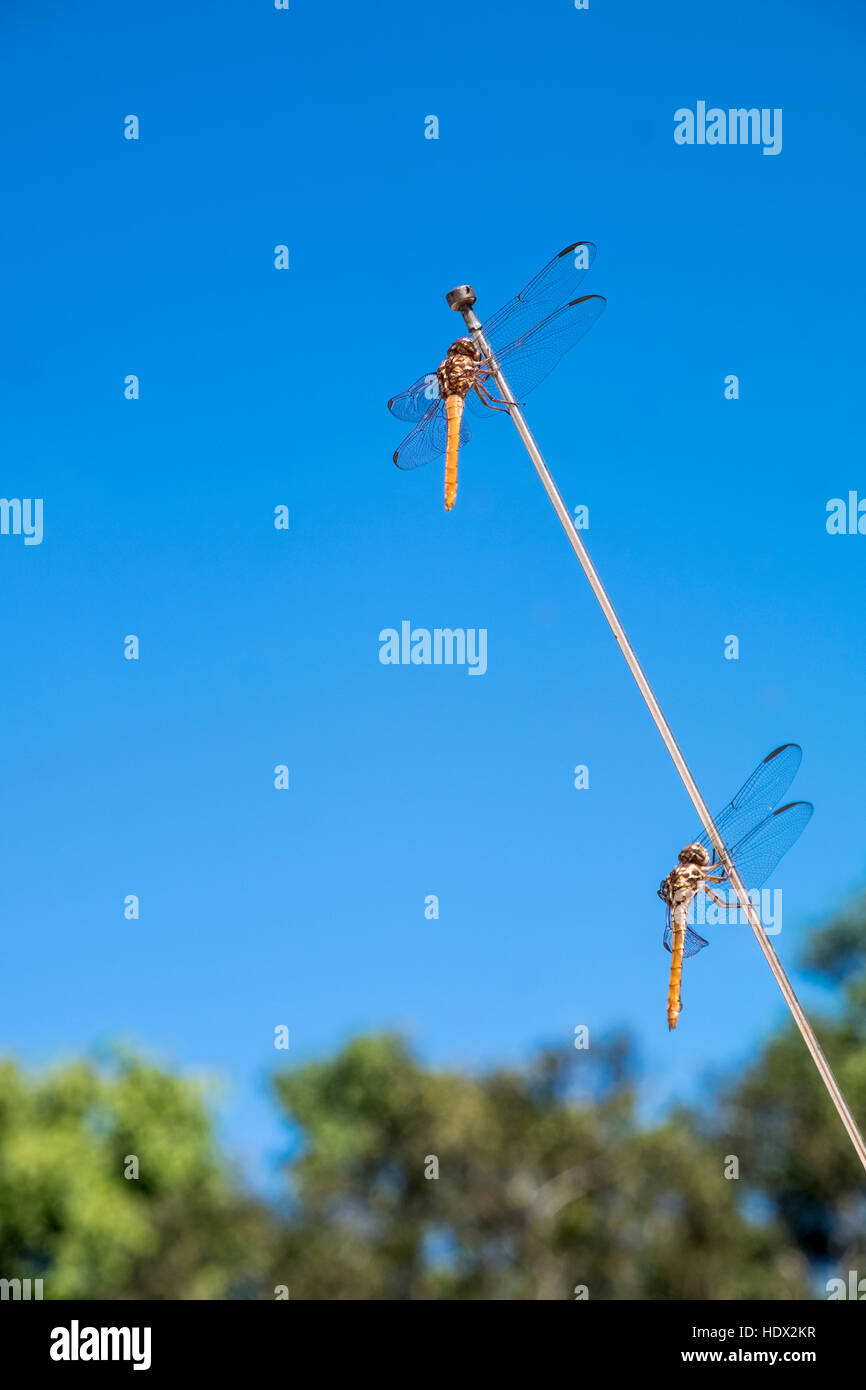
[(679, 891), (456, 376), (678, 923), (453, 414)]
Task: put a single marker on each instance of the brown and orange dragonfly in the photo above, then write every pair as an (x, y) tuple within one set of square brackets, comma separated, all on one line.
[(528, 336), (757, 832)]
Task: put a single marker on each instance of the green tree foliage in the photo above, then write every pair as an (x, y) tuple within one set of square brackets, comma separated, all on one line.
[(546, 1184), (69, 1216), (781, 1122), (412, 1182)]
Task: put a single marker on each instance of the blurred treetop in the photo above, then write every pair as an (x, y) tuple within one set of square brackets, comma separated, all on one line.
[(420, 1183)]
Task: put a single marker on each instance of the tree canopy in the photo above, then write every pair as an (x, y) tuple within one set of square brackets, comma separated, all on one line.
[(415, 1182)]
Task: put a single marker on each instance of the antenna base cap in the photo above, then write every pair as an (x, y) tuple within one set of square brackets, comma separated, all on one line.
[(463, 297)]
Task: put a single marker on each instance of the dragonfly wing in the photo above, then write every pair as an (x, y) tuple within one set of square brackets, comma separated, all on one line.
[(757, 855), (428, 439), (511, 327), (758, 796), (416, 401), (552, 287), (693, 943), (528, 360)]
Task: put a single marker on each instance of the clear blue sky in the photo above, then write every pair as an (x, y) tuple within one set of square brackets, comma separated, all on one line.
[(259, 387)]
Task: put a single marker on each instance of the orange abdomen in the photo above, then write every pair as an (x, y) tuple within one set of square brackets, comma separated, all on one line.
[(674, 1003), (453, 414)]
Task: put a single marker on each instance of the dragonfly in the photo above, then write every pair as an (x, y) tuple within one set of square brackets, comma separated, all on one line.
[(758, 831), (528, 336)]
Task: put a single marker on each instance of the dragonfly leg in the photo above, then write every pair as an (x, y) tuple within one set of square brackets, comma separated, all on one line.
[(486, 399), (721, 902)]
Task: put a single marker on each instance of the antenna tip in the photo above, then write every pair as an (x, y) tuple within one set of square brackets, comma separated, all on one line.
[(460, 298)]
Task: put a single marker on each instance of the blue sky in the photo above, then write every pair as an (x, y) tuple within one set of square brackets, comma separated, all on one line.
[(258, 647)]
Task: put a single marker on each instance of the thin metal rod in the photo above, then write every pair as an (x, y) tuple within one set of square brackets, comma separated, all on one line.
[(691, 786)]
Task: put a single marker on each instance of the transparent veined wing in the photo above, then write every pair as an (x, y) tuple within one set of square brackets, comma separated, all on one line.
[(528, 361), (693, 943), (757, 855), (550, 289), (414, 403), (516, 326), (758, 796), (428, 439)]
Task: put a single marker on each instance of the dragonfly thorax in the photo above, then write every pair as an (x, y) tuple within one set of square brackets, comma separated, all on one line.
[(456, 375), (683, 882)]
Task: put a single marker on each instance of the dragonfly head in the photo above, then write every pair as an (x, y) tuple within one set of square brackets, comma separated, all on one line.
[(464, 347), (694, 854)]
